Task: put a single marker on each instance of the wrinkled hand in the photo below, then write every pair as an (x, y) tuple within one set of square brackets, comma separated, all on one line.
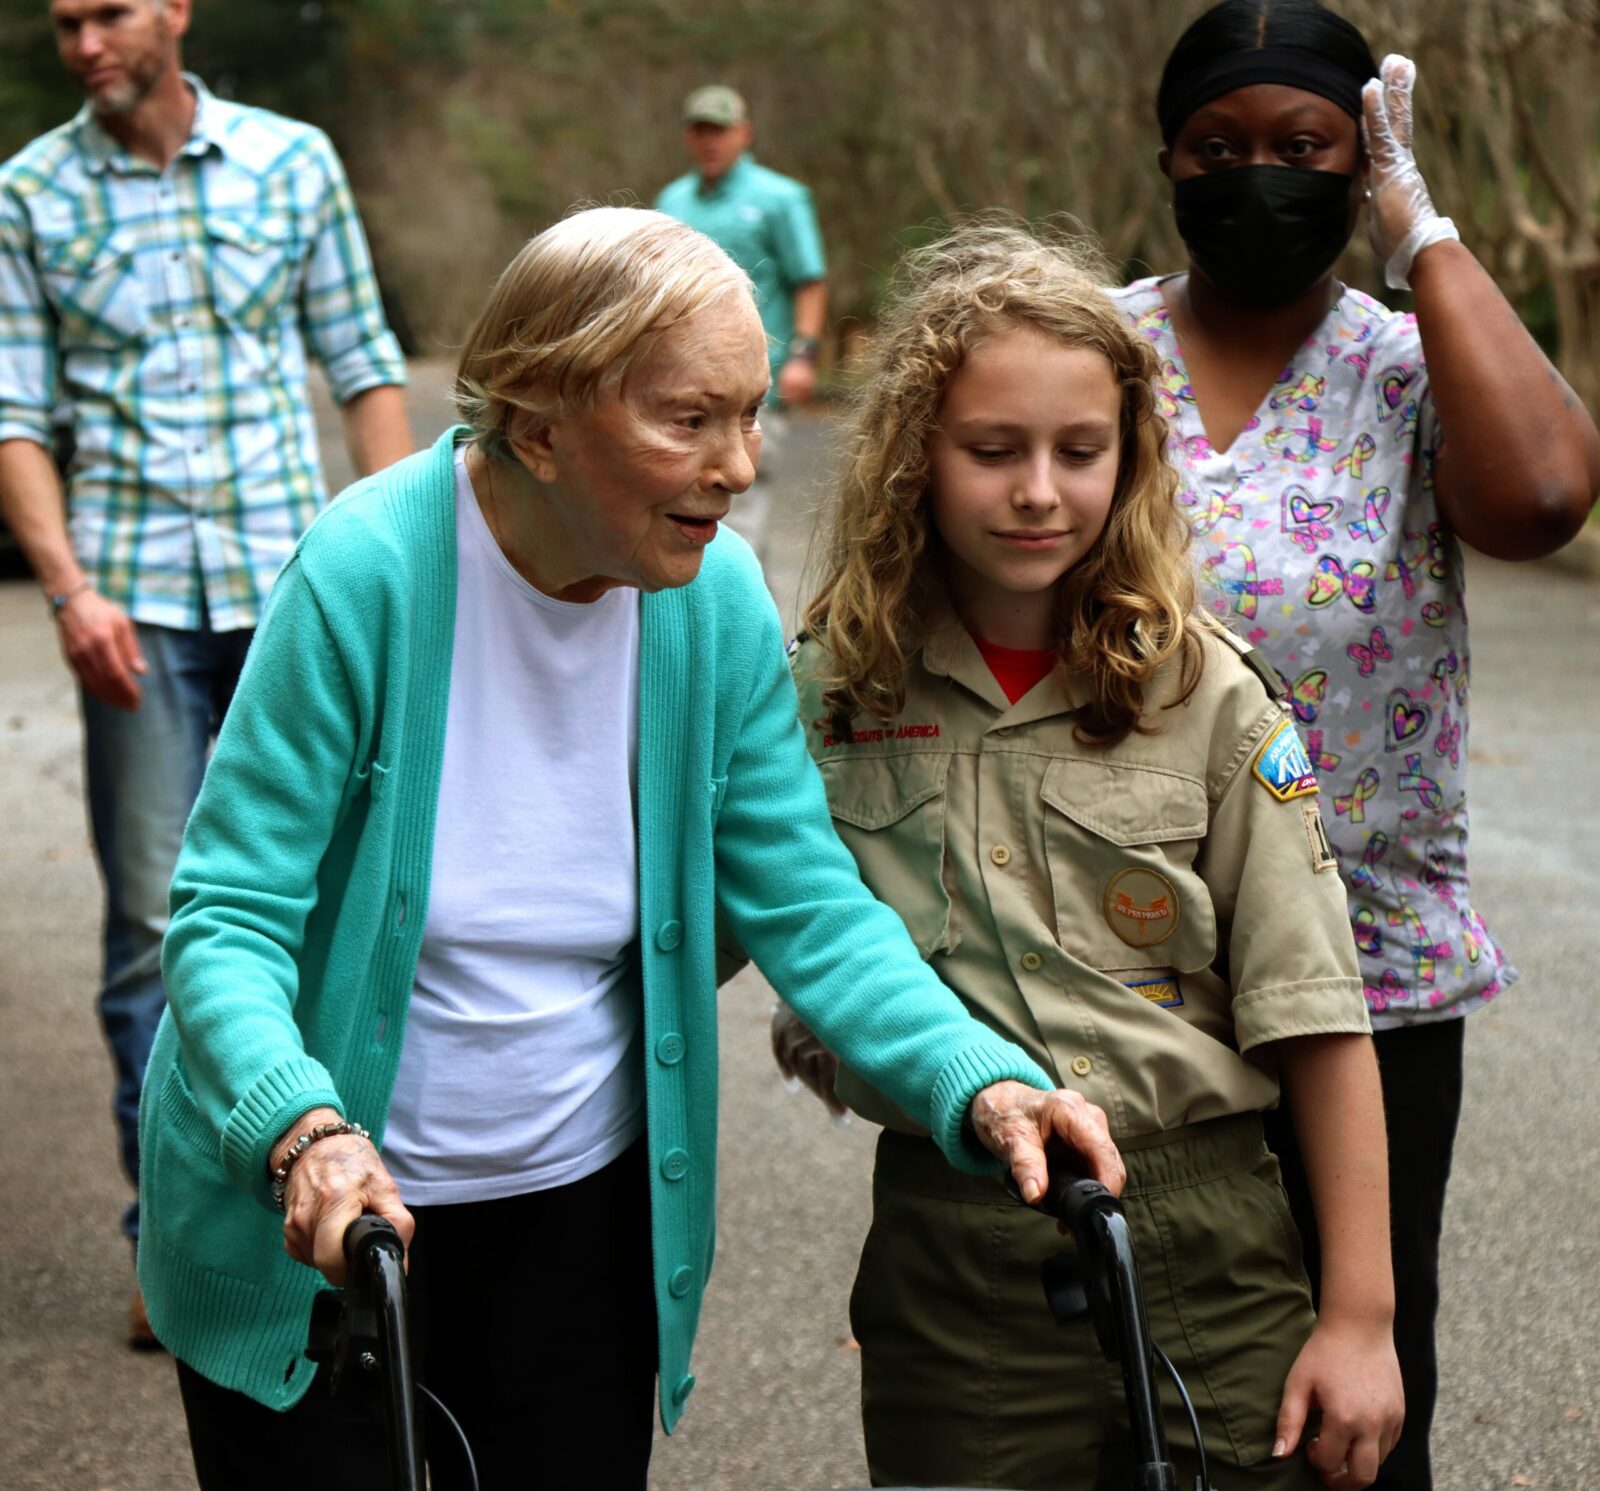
[(332, 1184), (1349, 1371), (1013, 1121), (802, 1057), (102, 647), (1402, 220), (797, 381)]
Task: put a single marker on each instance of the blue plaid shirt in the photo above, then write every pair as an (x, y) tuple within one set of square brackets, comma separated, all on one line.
[(167, 316)]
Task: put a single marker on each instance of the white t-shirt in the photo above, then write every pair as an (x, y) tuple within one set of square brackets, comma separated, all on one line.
[(520, 1069)]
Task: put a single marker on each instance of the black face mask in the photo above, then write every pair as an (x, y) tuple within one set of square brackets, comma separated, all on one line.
[(1264, 234)]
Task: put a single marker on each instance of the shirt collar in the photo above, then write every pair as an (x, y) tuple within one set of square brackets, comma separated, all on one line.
[(103, 152), (728, 180), (949, 652)]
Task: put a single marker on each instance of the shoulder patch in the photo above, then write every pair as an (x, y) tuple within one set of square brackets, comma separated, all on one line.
[(1282, 766)]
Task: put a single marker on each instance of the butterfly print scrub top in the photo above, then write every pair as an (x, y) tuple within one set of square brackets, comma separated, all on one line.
[(1320, 541)]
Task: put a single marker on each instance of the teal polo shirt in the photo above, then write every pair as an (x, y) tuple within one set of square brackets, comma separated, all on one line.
[(768, 227)]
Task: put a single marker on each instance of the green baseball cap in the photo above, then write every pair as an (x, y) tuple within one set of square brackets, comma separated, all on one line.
[(714, 104)]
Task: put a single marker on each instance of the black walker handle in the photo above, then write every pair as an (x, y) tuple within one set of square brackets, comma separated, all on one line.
[(364, 1331), (1103, 1282)]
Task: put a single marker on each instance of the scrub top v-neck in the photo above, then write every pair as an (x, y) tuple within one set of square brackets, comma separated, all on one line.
[(1320, 541)]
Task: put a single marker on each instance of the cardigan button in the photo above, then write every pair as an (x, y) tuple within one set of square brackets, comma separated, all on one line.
[(669, 1049), (675, 1164), (681, 1393), (668, 935), (681, 1282)]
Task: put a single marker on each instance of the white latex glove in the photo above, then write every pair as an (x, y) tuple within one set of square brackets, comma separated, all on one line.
[(803, 1059), (1401, 220)]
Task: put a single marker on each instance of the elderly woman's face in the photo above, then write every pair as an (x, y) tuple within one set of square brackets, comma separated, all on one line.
[(647, 476)]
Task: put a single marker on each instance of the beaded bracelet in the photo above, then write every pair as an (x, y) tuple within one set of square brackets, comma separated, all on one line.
[(280, 1176)]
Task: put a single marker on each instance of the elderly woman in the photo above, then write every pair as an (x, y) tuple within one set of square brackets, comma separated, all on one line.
[(514, 733)]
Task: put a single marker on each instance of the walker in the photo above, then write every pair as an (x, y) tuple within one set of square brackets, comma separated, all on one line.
[(364, 1330)]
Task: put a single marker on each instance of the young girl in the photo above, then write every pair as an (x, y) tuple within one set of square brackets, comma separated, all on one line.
[(1091, 810)]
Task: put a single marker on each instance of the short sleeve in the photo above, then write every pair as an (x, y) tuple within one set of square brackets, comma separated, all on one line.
[(1280, 904), (797, 240)]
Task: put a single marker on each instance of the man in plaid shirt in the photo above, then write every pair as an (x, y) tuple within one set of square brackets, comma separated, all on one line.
[(166, 261)]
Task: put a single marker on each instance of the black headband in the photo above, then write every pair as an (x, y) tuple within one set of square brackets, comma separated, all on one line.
[(1293, 66)]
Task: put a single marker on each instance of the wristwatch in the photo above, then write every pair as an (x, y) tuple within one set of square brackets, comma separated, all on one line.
[(805, 348)]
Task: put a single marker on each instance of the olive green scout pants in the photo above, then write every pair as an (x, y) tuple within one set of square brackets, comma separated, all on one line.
[(968, 1381)]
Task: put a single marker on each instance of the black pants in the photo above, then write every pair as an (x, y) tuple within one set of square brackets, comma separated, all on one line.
[(1421, 1069), (535, 1318)]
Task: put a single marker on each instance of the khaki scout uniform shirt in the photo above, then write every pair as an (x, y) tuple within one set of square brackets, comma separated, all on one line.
[(1138, 919)]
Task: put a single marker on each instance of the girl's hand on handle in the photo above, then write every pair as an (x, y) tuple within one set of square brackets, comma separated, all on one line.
[(1401, 220), (330, 1185), (1014, 1121), (1347, 1370), (803, 1059)]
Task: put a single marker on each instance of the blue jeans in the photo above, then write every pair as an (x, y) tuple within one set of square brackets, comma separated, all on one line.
[(143, 769)]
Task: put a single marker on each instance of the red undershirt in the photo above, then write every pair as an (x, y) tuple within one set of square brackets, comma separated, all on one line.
[(1015, 669)]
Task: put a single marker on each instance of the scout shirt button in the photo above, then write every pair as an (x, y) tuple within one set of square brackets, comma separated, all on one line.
[(669, 1049), (1000, 854), (668, 935), (675, 1164), (682, 1391), (1081, 1066), (681, 1281), (1032, 962)]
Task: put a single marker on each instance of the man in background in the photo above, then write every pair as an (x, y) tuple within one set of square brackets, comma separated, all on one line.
[(767, 225), (167, 259)]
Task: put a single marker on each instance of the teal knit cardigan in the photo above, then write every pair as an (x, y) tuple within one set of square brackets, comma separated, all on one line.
[(302, 890)]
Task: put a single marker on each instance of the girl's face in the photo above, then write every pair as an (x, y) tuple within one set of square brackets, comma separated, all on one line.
[(1023, 466)]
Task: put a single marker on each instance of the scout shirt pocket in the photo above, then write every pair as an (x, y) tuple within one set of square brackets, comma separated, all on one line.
[(890, 813), (1121, 842), (91, 280), (252, 261)]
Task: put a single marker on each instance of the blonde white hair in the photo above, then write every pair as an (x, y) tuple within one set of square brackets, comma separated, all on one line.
[(578, 309)]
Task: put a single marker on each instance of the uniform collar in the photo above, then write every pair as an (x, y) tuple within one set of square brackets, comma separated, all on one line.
[(103, 152), (729, 178), (949, 652)]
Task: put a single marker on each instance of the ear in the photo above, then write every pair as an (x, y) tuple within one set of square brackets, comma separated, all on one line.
[(532, 438), (176, 15), (747, 134)]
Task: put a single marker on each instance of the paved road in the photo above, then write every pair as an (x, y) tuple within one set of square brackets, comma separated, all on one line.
[(775, 1406)]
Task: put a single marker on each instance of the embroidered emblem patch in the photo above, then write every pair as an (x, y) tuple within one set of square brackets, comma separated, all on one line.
[(1321, 850), (1282, 766), (1141, 907), (1162, 991)]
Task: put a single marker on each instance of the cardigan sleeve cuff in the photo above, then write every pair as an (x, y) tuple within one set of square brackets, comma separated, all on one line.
[(963, 1078), (274, 1101)]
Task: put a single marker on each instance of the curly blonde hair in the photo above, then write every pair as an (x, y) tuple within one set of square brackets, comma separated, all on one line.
[(1125, 609)]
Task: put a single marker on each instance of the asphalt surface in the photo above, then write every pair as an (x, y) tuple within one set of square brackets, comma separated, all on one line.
[(775, 1405)]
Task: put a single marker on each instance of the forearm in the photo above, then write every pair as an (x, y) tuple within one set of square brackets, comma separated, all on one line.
[(1521, 465), (811, 309), (377, 431), (35, 510), (1334, 1095)]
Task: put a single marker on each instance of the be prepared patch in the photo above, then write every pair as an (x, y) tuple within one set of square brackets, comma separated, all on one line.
[(1141, 907), (1282, 766), (1162, 991)]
